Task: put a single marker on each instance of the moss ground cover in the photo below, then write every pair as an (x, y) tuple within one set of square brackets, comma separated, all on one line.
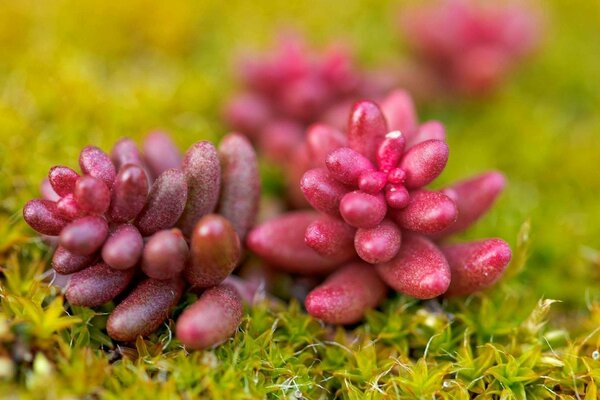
[(74, 73)]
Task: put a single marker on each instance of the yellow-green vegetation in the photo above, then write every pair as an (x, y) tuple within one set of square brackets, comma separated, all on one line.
[(80, 72)]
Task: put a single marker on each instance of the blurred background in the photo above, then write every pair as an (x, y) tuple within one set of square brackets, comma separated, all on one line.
[(79, 72)]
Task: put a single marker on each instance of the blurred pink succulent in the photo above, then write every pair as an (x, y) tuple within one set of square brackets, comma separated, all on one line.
[(471, 45), (377, 220), (289, 89)]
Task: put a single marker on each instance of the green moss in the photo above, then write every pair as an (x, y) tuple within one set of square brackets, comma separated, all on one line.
[(79, 72)]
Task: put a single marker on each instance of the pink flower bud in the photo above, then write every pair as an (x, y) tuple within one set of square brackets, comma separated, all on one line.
[(346, 295)]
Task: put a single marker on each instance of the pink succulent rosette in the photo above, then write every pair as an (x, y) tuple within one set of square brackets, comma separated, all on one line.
[(470, 46), (144, 226), (377, 224), (292, 87)]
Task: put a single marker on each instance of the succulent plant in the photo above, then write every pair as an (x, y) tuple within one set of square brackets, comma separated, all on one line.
[(469, 46), (144, 226), (373, 206), (290, 89)]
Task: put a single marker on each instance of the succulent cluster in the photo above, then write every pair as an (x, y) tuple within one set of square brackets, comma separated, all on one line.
[(376, 225), (292, 88), (469, 45), (139, 228)]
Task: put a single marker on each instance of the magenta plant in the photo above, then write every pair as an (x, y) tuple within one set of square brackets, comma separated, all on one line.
[(292, 87), (374, 207), (469, 46), (144, 226)]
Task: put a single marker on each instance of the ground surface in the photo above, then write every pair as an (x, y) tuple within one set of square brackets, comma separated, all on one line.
[(79, 72)]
